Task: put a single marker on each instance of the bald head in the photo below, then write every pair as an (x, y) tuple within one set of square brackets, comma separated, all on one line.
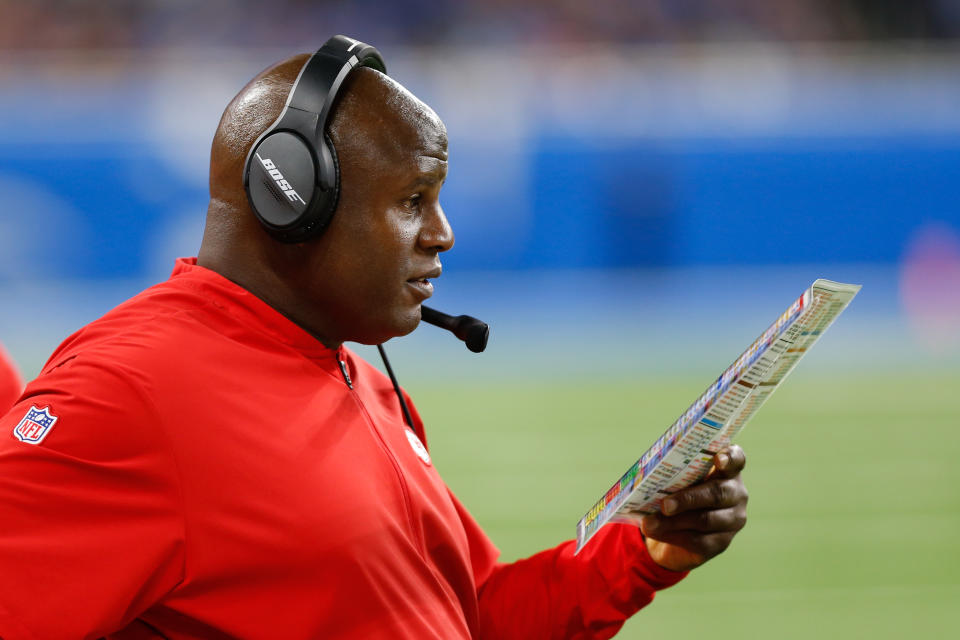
[(379, 130)]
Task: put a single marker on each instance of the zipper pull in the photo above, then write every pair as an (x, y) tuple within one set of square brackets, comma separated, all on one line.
[(346, 374)]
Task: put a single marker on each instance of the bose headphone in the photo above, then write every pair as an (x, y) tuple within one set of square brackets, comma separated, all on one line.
[(291, 176)]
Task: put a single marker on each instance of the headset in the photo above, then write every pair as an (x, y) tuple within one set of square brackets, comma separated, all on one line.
[(291, 174), (292, 177)]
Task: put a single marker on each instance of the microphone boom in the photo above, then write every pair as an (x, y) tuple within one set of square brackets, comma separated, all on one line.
[(472, 331)]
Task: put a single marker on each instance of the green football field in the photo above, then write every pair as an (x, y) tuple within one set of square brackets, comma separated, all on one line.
[(854, 515)]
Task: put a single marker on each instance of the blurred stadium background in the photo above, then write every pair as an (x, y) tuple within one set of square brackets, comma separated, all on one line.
[(638, 188)]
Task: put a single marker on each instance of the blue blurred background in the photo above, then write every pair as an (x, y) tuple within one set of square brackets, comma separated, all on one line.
[(614, 168), (638, 188)]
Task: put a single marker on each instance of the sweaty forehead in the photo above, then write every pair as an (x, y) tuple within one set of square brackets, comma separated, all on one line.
[(378, 116)]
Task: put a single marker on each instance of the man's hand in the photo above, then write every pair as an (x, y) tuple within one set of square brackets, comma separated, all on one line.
[(700, 521)]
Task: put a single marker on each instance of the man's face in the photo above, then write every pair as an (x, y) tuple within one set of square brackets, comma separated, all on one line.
[(367, 275)]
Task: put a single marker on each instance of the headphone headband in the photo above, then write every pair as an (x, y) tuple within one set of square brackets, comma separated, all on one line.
[(323, 74), (291, 174)]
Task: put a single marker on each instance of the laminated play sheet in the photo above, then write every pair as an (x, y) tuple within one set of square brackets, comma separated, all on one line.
[(683, 455)]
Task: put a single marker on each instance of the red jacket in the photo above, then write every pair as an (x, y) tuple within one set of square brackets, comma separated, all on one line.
[(196, 465)]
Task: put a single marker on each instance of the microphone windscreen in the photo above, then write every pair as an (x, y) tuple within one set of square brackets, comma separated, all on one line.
[(477, 335)]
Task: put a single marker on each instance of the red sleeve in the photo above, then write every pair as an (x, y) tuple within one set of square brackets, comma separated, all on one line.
[(92, 531), (555, 594), (10, 383)]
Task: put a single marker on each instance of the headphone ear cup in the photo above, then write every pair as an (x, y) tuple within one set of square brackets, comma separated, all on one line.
[(280, 183), (316, 218), (333, 196), (280, 180)]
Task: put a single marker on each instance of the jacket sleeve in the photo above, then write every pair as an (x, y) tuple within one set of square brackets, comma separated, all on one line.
[(92, 531), (556, 594)]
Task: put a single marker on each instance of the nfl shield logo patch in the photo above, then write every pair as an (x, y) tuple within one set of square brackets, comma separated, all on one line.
[(35, 425)]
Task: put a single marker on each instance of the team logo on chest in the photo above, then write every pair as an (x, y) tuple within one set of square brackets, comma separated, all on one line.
[(35, 426), (417, 446)]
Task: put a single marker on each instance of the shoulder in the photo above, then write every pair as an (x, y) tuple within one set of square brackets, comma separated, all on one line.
[(87, 406), (103, 379), (136, 328)]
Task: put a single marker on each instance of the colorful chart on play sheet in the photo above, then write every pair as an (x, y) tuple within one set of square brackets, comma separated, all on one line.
[(683, 454)]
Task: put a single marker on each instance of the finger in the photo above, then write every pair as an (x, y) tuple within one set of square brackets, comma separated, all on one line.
[(713, 494), (729, 462), (701, 520)]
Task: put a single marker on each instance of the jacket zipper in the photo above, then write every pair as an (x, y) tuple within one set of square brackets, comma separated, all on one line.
[(346, 374), (401, 480)]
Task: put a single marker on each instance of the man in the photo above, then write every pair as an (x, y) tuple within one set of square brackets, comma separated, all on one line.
[(209, 461), (10, 383)]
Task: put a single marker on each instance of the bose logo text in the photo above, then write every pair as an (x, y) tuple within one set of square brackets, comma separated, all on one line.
[(271, 168)]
